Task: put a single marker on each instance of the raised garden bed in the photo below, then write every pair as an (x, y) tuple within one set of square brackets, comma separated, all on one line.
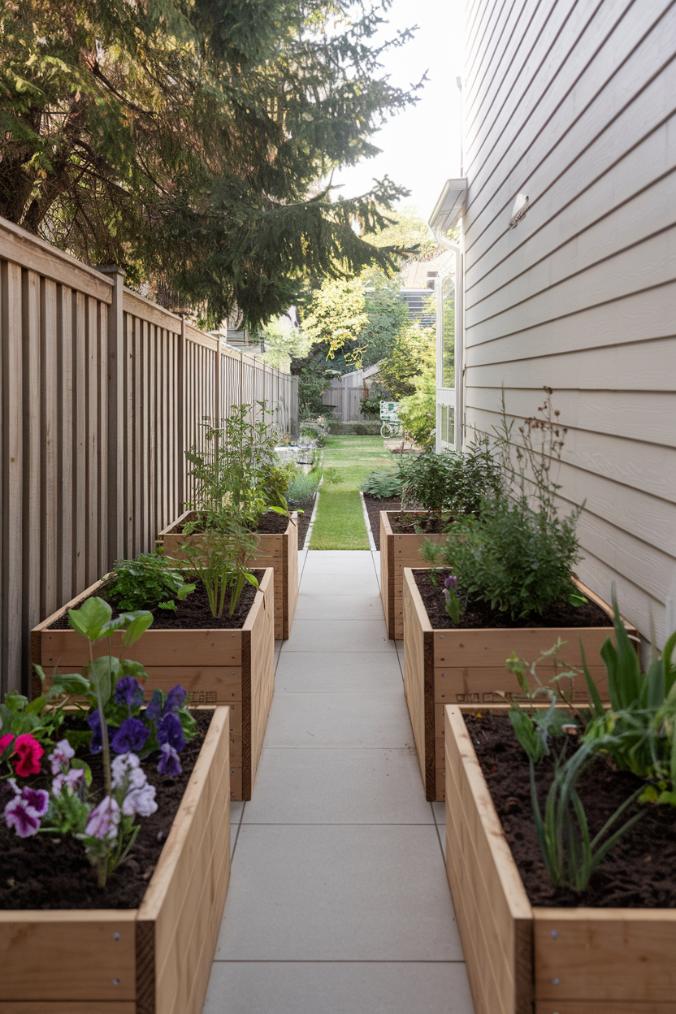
[(467, 666), (526, 958), (154, 958), (276, 549), (400, 546), (215, 664)]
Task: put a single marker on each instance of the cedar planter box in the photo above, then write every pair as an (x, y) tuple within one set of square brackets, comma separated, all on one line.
[(154, 959), (396, 552), (218, 666), (468, 667), (527, 960), (279, 551)]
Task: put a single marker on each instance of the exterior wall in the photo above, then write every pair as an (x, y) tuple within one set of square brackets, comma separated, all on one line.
[(101, 394), (573, 105)]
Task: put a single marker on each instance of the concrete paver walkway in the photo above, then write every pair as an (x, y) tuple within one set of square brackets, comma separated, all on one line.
[(338, 901)]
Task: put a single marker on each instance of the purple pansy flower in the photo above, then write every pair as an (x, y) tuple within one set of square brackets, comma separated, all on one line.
[(170, 731), (175, 698), (129, 691), (131, 737), (21, 816), (126, 772), (154, 709), (61, 756), (38, 799), (103, 819), (450, 582), (170, 763), (94, 723)]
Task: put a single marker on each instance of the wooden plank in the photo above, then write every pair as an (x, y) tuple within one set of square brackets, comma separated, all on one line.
[(64, 339), (262, 671), (611, 955), (396, 552), (79, 439), (414, 676), (69, 1007), (144, 309), (68, 955), (25, 249), (31, 577), (598, 1007)]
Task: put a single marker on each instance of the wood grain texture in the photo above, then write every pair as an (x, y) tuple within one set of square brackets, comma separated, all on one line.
[(396, 552), (150, 960), (101, 393), (468, 666), (235, 667)]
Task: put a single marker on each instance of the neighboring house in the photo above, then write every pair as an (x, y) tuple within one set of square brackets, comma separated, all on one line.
[(417, 281), (568, 239)]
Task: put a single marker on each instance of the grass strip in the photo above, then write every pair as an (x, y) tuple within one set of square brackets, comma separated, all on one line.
[(346, 461)]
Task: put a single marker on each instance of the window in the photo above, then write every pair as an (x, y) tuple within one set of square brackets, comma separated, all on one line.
[(448, 331), (449, 356)]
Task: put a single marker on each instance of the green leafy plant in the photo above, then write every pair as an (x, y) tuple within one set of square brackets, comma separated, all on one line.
[(451, 483), (638, 731), (150, 581), (239, 473), (303, 485), (518, 557), (220, 561), (417, 411), (383, 485), (570, 851)]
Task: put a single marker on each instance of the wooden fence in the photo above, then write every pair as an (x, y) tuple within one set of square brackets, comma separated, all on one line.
[(101, 393)]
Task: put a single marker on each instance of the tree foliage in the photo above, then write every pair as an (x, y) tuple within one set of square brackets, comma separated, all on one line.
[(184, 140), (413, 354)]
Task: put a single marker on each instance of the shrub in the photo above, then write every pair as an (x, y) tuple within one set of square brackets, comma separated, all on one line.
[(417, 411), (451, 483), (518, 557), (302, 486), (382, 485)]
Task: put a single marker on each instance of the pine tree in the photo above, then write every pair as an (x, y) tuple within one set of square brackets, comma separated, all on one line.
[(183, 139)]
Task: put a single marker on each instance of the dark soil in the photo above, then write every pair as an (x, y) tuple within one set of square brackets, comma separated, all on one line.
[(304, 519), (638, 872), (193, 613), (481, 615), (408, 523), (373, 509), (45, 872), (269, 524)]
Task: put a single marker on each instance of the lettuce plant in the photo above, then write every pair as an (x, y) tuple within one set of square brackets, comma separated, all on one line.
[(150, 581)]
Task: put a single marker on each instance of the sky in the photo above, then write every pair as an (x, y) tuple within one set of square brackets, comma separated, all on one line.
[(420, 146)]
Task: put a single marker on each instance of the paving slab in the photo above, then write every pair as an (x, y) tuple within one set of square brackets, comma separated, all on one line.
[(334, 635), (338, 786), (319, 672), (367, 719), (347, 988), (337, 582), (339, 893), (362, 606)]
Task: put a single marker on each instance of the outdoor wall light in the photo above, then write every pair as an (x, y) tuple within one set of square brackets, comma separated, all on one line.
[(519, 210)]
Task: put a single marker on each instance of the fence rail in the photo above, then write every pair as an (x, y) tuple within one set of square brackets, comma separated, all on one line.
[(101, 393)]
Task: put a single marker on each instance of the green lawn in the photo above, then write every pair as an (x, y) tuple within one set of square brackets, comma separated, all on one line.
[(346, 461)]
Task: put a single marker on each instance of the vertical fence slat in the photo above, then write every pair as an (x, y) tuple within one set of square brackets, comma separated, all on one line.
[(12, 509)]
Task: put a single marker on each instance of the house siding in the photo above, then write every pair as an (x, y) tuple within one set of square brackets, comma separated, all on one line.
[(573, 102)]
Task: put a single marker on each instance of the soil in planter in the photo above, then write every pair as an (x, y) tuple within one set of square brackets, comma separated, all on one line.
[(270, 524), (481, 615), (638, 872), (193, 613), (373, 509), (408, 523), (307, 506), (47, 873)]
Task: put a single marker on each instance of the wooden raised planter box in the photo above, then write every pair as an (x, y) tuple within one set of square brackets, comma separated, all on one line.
[(279, 551), (218, 666), (527, 960), (468, 667), (154, 959), (396, 552)]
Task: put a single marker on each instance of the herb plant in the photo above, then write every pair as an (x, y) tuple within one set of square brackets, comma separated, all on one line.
[(239, 472), (150, 581), (383, 485), (518, 556), (220, 561), (302, 486), (451, 483)]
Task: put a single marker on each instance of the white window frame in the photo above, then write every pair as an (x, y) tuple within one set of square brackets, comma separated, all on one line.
[(447, 396)]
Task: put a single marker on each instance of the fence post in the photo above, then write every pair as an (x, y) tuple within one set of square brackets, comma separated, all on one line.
[(180, 419), (116, 415)]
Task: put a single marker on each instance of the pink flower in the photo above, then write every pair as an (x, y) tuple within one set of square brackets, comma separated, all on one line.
[(5, 741), (28, 753), (103, 819)]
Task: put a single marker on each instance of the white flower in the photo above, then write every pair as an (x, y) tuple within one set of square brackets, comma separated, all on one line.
[(140, 801), (61, 756), (126, 771), (103, 819)]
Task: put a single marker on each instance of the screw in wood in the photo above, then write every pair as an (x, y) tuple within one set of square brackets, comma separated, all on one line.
[(555, 982), (555, 936), (117, 936), (116, 982)]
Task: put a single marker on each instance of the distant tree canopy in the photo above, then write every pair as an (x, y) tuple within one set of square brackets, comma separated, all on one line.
[(183, 139)]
